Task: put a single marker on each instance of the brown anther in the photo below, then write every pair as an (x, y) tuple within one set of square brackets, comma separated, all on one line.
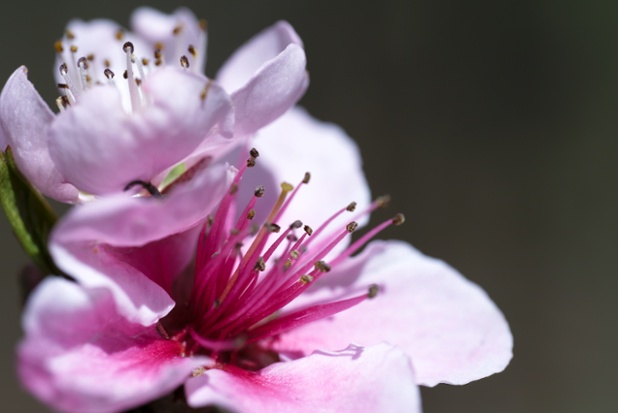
[(273, 227), (128, 47), (250, 162), (145, 61), (158, 54), (82, 63), (184, 61), (63, 69), (308, 230), (254, 153), (322, 266), (64, 101), (296, 224), (162, 331), (383, 201), (62, 86), (292, 238), (259, 191), (107, 63), (177, 30), (69, 34), (88, 79), (351, 227), (351, 207), (119, 34), (204, 91), (203, 24), (125, 74), (306, 279), (374, 289), (109, 74), (307, 178), (399, 219), (90, 57), (58, 46), (192, 51), (260, 265), (287, 264), (73, 49), (233, 189), (159, 46), (251, 214), (294, 254)]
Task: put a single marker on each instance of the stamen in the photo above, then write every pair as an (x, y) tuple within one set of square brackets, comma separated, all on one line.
[(184, 62), (128, 48)]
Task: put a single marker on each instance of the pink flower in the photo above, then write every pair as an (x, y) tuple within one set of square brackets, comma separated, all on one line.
[(134, 105), (281, 318)]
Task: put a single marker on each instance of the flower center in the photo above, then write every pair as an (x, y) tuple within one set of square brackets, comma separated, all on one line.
[(119, 59), (247, 276)]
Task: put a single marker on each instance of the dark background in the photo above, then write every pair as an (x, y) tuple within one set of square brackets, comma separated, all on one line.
[(493, 126)]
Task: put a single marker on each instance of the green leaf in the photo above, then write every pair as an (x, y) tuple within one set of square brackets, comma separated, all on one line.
[(29, 214)]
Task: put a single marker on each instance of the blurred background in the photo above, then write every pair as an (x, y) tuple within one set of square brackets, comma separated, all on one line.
[(493, 126)]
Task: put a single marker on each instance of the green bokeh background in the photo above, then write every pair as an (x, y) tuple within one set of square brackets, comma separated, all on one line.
[(491, 123)]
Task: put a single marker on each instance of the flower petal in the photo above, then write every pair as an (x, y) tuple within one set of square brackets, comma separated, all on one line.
[(100, 148), (84, 244), (265, 77), (79, 355), (372, 379), (448, 325), (25, 121)]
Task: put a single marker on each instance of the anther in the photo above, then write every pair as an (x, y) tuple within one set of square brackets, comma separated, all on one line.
[(254, 153), (107, 63), (109, 74), (287, 264), (294, 254), (58, 46), (374, 289), (69, 34), (233, 189), (292, 238), (306, 279), (177, 30), (90, 57), (251, 214), (82, 63), (192, 51), (73, 49), (308, 230), (296, 224), (307, 178), (63, 69), (158, 47), (203, 24), (351, 207), (150, 188), (184, 61), (383, 201), (260, 265), (259, 191), (351, 227), (399, 219), (286, 187), (322, 266), (204, 92), (119, 34), (128, 47), (62, 86), (145, 61), (272, 227), (250, 162), (125, 74)]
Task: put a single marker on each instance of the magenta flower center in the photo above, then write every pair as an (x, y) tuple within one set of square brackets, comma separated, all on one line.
[(247, 274)]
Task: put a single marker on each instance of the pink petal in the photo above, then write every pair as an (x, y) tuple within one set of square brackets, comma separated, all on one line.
[(100, 148), (297, 143), (85, 242), (79, 355), (265, 77), (354, 380), (448, 325), (157, 27), (25, 121)]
